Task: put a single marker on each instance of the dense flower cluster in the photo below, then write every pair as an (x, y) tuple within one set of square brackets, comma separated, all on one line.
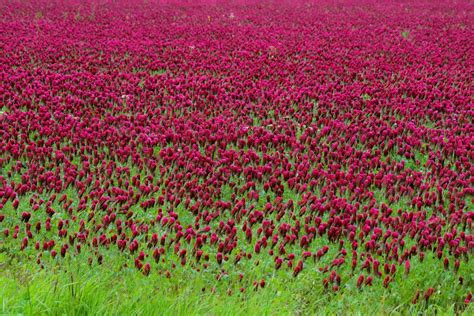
[(330, 137)]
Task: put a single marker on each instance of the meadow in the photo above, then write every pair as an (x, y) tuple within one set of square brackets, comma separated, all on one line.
[(236, 157)]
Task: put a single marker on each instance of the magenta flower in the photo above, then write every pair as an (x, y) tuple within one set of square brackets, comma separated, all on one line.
[(210, 135)]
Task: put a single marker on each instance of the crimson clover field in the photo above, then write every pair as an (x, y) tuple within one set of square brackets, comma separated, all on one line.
[(236, 157)]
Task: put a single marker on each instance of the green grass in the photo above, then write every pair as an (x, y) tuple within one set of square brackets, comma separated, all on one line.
[(366, 97), (157, 72), (75, 288)]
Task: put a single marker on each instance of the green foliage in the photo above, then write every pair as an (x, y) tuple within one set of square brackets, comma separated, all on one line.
[(81, 289)]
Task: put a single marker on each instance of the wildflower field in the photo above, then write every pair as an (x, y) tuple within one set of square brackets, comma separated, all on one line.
[(236, 157)]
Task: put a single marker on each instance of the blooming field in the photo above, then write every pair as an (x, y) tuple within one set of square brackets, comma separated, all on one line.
[(254, 157)]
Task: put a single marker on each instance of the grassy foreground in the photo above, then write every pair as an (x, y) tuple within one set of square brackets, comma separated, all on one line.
[(78, 289)]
